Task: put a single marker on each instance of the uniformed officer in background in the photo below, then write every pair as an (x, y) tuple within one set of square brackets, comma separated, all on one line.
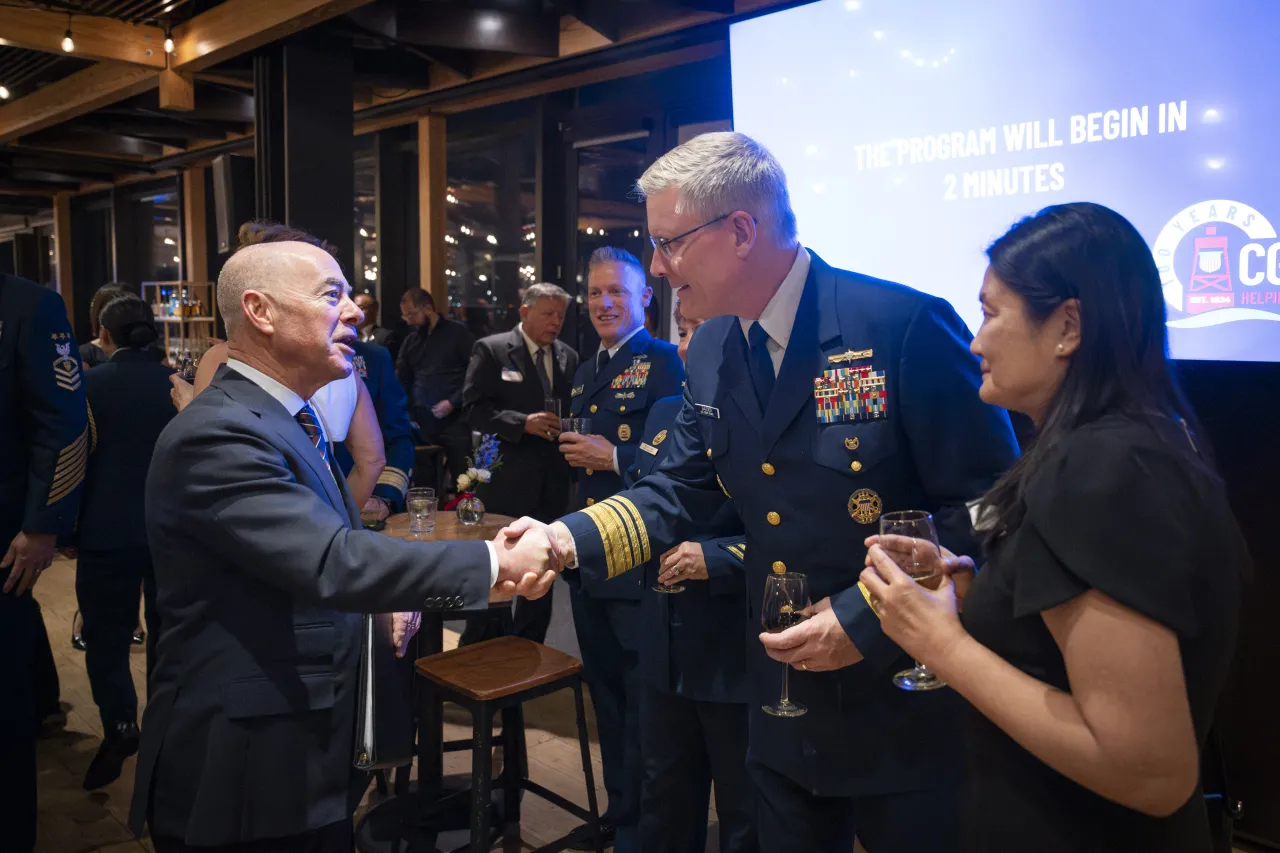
[(819, 399), (615, 388), (693, 712), (373, 364), (44, 431)]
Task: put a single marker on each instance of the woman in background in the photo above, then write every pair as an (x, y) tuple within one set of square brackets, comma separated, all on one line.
[(128, 408), (92, 353), (1094, 644)]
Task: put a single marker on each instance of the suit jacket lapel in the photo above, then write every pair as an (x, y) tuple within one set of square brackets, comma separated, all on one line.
[(802, 362), (735, 376), (274, 416), (519, 356), (621, 360)]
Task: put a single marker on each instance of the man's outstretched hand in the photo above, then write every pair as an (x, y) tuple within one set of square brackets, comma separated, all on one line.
[(528, 561)]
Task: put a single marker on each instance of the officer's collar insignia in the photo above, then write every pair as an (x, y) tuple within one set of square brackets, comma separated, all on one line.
[(66, 370), (634, 376), (849, 356), (578, 390), (361, 368), (845, 394)]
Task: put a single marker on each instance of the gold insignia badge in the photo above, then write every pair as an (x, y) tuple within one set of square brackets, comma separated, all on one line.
[(624, 433), (659, 438), (865, 506), (850, 355), (851, 443)]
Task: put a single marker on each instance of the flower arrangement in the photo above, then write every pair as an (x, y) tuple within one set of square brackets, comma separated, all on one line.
[(481, 466)]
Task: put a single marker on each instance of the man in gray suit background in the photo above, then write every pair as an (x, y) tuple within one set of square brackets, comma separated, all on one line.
[(262, 571)]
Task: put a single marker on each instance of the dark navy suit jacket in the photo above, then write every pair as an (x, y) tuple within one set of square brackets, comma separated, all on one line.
[(801, 486), (617, 409), (262, 572), (129, 406), (692, 641)]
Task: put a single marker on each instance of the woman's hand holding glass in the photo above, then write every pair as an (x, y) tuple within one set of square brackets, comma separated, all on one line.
[(924, 622), (901, 550)]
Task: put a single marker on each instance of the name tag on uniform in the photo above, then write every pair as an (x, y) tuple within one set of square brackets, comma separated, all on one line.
[(707, 411), (649, 448), (511, 375)]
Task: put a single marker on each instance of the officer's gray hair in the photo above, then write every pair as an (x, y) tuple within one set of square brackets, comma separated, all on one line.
[(718, 173), (544, 290), (615, 255)]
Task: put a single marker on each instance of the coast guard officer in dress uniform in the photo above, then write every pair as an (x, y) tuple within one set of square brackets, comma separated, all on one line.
[(44, 433), (823, 399), (372, 363), (615, 388), (693, 712)]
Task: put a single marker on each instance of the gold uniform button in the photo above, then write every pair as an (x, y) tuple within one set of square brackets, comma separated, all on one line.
[(768, 469), (594, 408), (591, 501), (708, 452), (774, 519), (855, 465), (589, 472), (622, 408), (779, 568)]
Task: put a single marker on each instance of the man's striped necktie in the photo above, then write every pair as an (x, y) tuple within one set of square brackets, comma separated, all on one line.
[(310, 424)]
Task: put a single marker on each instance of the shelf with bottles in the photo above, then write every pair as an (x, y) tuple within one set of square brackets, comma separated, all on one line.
[(180, 300)]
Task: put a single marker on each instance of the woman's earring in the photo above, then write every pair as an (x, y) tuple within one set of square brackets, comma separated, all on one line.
[(1059, 347)]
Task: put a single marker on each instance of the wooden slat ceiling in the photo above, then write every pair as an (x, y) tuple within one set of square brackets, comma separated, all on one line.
[(73, 124)]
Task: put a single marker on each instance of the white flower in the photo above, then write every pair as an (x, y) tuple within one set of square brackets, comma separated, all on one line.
[(464, 481), (473, 473), (484, 476)]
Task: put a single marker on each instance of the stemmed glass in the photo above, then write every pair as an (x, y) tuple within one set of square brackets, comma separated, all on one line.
[(911, 541), (785, 597)]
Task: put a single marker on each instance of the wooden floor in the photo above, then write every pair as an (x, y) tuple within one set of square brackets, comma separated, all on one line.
[(73, 821)]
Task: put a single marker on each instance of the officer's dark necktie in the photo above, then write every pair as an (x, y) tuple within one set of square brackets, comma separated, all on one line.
[(543, 376), (762, 376), (310, 424), (603, 361)]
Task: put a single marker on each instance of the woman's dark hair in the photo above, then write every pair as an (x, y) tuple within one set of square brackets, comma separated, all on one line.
[(130, 321), (103, 295), (1091, 253)]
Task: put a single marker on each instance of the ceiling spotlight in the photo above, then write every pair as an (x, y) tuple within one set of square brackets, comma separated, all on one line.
[(168, 42), (4, 94), (68, 44)]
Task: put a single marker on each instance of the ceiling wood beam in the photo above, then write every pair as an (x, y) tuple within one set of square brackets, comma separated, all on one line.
[(602, 16), (80, 142), (73, 96), (95, 37), (177, 91), (62, 247), (462, 28), (239, 26)]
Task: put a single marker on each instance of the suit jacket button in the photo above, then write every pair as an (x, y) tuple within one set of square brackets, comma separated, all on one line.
[(591, 501), (774, 519), (856, 466), (768, 469), (594, 408), (779, 568)]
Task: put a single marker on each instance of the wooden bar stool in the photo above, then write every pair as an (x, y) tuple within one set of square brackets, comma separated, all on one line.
[(501, 675)]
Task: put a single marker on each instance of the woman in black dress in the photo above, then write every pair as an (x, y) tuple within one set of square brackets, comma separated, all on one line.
[(1095, 642)]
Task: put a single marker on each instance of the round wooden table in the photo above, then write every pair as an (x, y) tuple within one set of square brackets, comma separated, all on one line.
[(435, 816), (448, 528)]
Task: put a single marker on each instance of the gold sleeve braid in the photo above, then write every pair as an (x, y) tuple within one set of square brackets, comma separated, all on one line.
[(739, 551), (70, 471), (622, 533), (395, 478), (866, 593)]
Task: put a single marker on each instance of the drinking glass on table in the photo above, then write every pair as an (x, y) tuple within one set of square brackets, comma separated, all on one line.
[(785, 597), (911, 540), (421, 505)]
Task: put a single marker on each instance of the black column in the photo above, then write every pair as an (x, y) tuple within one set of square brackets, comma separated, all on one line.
[(305, 169), (26, 257), (396, 218), (552, 217)]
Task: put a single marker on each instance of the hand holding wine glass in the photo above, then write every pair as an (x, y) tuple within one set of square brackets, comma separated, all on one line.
[(960, 569), (786, 598), (909, 541)]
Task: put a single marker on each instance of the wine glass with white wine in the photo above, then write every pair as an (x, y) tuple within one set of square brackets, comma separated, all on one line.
[(910, 540)]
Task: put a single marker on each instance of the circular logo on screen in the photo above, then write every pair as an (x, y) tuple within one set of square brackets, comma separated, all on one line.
[(1219, 262)]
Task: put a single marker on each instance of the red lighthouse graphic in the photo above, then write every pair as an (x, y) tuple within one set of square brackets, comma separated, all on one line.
[(1210, 286)]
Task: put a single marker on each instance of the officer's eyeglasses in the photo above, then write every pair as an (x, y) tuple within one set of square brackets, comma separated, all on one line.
[(666, 245)]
